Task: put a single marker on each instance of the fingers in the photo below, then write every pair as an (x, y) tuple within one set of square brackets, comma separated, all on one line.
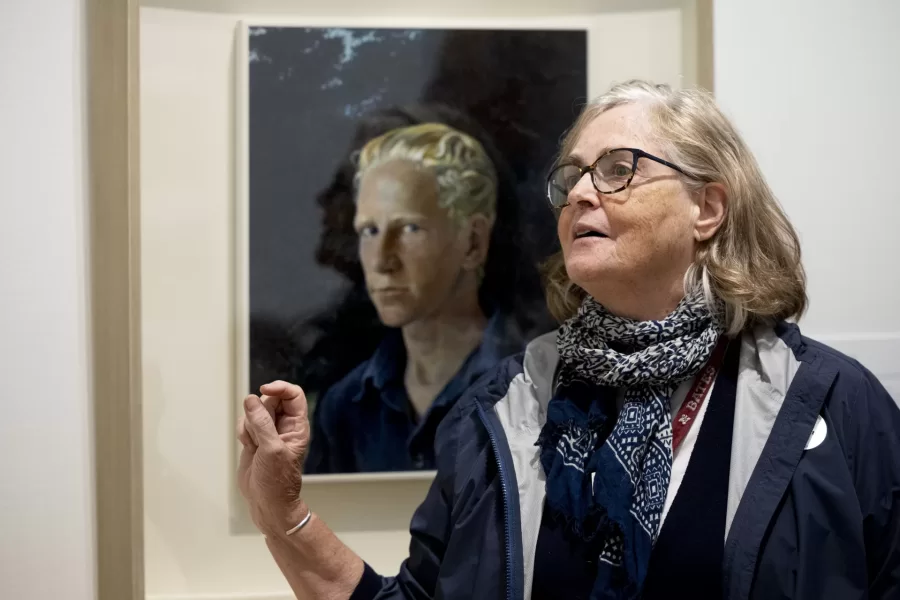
[(294, 433), (259, 423), (243, 435), (273, 405), (293, 400), (244, 469), (246, 459), (288, 425), (280, 388), (287, 407)]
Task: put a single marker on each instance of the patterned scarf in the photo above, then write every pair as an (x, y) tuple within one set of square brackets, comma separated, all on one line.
[(608, 474)]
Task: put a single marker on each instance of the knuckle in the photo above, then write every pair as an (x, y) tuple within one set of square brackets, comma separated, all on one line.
[(268, 453), (275, 455), (283, 455)]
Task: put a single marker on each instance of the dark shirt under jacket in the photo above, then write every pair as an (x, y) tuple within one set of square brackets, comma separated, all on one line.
[(365, 422), (687, 558)]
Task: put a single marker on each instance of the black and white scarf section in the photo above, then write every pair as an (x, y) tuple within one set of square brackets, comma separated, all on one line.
[(608, 474)]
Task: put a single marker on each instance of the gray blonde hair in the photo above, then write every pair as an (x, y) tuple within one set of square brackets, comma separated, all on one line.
[(466, 177), (752, 264)]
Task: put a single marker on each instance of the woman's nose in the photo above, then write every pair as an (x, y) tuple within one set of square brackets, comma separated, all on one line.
[(584, 192), (386, 259)]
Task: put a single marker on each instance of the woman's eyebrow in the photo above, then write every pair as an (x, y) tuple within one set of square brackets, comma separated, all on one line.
[(577, 159)]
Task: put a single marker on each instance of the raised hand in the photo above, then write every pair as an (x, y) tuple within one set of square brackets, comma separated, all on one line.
[(274, 432)]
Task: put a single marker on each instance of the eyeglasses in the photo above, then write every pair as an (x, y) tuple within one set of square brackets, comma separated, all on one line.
[(610, 173)]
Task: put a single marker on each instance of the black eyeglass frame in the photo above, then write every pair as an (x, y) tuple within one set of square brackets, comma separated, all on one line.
[(636, 154)]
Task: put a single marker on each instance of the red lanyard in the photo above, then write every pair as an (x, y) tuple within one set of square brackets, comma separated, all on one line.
[(690, 408)]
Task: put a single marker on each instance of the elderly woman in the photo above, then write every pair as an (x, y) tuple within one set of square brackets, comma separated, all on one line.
[(676, 437)]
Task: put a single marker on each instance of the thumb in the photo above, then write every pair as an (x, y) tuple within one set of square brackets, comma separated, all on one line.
[(260, 423)]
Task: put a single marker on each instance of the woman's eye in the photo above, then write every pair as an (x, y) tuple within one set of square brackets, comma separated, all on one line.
[(411, 228), (621, 171), (367, 231)]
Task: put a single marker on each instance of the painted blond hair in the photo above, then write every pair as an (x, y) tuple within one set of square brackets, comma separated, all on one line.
[(466, 177), (752, 264)]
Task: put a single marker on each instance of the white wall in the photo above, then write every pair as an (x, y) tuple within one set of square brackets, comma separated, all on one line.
[(814, 86), (197, 545), (46, 501)]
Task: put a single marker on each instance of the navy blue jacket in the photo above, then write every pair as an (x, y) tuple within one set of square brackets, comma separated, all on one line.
[(822, 523), (365, 423)]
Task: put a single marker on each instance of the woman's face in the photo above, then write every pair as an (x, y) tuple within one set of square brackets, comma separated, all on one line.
[(642, 236), (411, 251)]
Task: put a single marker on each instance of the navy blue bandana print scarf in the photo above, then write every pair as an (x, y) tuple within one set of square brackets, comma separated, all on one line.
[(608, 475)]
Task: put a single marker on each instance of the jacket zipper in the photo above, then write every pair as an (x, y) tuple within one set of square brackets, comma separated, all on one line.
[(505, 493)]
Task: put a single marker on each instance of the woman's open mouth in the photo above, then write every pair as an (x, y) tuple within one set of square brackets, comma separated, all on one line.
[(586, 234)]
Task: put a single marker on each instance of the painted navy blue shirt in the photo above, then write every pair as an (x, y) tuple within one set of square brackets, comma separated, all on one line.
[(365, 422)]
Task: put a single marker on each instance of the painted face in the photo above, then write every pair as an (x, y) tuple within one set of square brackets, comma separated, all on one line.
[(412, 253), (635, 237)]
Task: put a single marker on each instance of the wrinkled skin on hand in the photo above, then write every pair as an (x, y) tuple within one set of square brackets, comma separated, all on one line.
[(275, 434)]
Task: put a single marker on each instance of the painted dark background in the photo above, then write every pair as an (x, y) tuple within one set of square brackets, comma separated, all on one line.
[(316, 96)]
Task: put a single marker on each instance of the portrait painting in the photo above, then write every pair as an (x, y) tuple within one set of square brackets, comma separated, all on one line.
[(394, 220)]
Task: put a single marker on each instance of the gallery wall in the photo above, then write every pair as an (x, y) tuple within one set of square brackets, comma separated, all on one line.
[(821, 76), (198, 544), (47, 547), (814, 91)]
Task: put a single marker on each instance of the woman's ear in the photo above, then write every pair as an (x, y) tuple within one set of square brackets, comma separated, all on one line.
[(478, 240), (712, 201)]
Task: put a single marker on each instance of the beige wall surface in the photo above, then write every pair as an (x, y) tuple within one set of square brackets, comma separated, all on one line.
[(197, 545)]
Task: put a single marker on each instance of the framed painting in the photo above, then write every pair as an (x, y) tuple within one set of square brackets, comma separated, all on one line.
[(366, 155)]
